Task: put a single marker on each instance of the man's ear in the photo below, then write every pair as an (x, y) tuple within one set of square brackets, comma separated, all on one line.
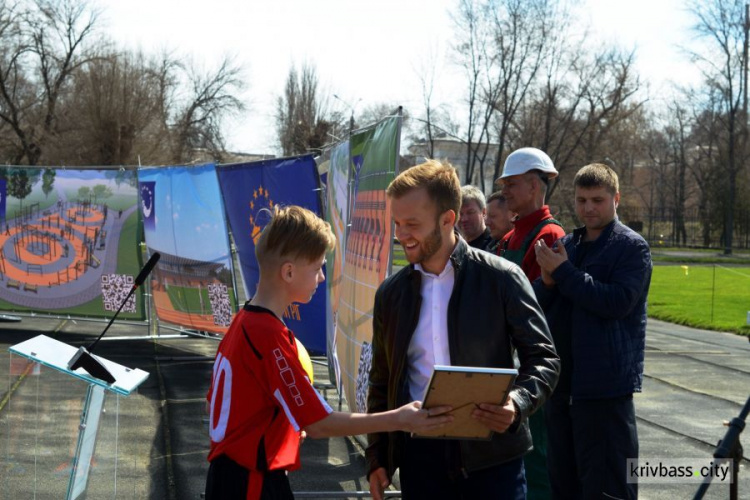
[(448, 218), (617, 199), (287, 271)]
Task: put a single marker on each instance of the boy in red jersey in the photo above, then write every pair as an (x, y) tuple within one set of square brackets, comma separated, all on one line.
[(261, 399)]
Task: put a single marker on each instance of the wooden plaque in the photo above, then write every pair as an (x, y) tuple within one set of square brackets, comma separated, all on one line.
[(464, 388)]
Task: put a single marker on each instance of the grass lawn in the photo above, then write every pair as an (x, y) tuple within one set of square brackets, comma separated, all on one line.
[(187, 300), (129, 261), (399, 257), (701, 298), (688, 299)]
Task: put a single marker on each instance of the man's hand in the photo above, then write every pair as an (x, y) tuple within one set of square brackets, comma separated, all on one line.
[(549, 259), (412, 418), (378, 483), (497, 418)]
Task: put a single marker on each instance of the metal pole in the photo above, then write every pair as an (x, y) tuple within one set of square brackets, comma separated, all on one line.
[(713, 295), (744, 65)]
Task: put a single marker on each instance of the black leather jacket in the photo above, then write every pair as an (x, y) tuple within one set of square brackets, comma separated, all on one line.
[(492, 312)]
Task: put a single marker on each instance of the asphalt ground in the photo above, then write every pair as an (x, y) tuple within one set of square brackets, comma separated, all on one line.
[(694, 381)]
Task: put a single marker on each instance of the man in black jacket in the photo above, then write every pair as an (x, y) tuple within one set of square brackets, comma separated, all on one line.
[(453, 305)]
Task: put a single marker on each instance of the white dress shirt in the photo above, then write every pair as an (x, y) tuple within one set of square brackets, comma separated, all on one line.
[(429, 343)]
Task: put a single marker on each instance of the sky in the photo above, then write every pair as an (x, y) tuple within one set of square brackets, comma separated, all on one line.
[(365, 52)]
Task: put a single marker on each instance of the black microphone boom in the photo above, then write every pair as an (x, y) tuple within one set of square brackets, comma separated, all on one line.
[(83, 357), (146, 270)]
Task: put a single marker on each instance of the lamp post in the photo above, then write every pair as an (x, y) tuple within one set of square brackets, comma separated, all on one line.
[(351, 108)]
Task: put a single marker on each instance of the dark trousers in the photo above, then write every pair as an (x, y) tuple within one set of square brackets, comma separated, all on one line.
[(588, 443), (431, 470), (228, 480), (535, 462)]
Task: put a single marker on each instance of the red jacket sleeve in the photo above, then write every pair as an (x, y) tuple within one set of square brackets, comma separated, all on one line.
[(550, 234)]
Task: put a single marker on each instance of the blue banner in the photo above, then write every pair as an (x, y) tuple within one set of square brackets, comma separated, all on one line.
[(147, 205), (3, 194), (249, 190), (192, 284)]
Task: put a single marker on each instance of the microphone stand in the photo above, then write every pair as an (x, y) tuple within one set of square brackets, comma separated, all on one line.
[(83, 358), (729, 447)]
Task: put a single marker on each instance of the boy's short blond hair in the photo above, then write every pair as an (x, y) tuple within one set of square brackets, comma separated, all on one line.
[(295, 233), (438, 178)]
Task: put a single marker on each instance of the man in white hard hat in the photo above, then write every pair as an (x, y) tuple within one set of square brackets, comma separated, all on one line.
[(524, 181)]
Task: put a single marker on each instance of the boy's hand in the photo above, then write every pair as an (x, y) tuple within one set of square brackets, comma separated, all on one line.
[(497, 418), (412, 418)]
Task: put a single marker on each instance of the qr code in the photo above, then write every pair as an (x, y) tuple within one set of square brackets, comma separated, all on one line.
[(115, 287), (363, 376), (220, 305)]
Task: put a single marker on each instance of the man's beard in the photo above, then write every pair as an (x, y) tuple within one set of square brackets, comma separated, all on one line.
[(430, 246)]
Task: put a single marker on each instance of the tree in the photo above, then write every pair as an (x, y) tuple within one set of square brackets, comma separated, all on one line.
[(501, 48), (42, 45), (19, 184), (101, 192), (722, 24), (48, 181), (583, 104), (113, 112), (303, 120), (84, 193), (70, 97), (209, 99)]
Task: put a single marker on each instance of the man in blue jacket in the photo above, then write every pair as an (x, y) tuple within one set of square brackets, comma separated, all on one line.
[(593, 290)]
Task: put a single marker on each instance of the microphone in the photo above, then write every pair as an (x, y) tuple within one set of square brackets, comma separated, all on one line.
[(146, 270), (83, 357)]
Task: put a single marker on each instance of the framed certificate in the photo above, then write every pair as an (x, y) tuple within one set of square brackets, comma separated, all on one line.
[(464, 388)]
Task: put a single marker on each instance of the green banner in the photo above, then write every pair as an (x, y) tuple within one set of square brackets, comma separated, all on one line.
[(374, 154)]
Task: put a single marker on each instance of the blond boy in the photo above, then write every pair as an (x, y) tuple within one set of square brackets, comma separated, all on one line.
[(260, 398)]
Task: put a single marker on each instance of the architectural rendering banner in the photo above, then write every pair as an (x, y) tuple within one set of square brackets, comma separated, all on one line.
[(335, 162), (250, 191), (183, 220), (373, 160), (69, 241)]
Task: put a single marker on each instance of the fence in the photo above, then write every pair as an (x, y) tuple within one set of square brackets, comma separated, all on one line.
[(686, 228)]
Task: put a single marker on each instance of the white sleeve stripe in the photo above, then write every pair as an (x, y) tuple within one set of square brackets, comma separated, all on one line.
[(323, 402), (289, 416)]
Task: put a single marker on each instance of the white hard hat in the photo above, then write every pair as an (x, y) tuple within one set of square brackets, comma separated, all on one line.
[(524, 160)]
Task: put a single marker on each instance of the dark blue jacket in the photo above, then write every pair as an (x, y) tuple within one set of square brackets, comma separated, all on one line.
[(599, 305)]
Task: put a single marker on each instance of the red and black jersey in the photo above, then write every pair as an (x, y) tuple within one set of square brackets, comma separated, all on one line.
[(260, 396)]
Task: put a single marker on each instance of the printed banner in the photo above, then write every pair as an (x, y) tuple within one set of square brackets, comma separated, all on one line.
[(192, 284), (69, 241), (250, 190), (366, 255), (3, 196), (335, 163)]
